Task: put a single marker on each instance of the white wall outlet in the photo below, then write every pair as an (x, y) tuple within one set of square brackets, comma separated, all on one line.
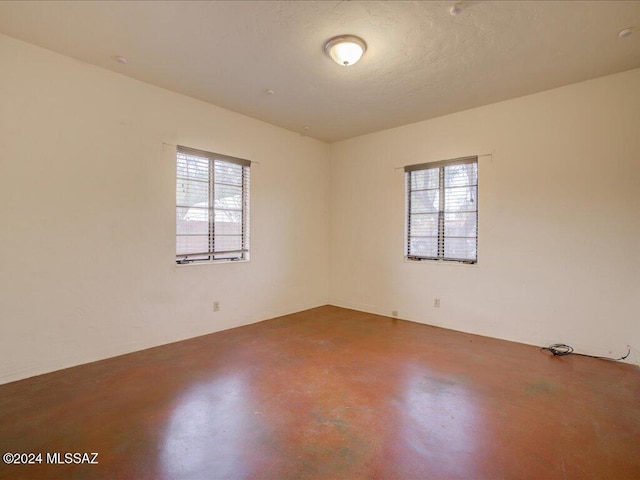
[(436, 302), (216, 306), (394, 313)]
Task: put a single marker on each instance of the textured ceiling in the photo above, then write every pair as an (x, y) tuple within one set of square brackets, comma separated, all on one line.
[(421, 61)]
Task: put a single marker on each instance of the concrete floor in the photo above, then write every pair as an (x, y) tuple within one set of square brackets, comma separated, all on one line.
[(330, 393)]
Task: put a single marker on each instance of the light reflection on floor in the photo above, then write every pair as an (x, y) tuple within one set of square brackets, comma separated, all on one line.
[(441, 421), (206, 431)]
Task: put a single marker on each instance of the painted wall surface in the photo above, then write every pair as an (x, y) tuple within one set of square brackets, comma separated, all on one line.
[(87, 243), (559, 220)]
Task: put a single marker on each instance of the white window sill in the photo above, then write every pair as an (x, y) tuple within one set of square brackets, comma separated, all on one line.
[(215, 262), (440, 262)]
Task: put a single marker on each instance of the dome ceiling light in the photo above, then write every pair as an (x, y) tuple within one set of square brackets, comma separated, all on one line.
[(345, 50)]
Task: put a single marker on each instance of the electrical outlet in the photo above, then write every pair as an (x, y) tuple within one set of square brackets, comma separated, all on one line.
[(394, 313), (216, 306), (436, 302)]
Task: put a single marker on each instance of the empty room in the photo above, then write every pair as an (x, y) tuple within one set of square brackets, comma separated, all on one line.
[(333, 239)]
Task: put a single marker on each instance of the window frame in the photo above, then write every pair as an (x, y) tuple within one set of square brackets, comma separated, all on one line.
[(441, 237), (210, 256)]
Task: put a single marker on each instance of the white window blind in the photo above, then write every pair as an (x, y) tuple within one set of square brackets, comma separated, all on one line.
[(212, 206), (442, 210)]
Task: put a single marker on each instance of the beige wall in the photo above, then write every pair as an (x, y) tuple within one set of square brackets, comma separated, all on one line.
[(87, 245), (87, 203), (559, 220)]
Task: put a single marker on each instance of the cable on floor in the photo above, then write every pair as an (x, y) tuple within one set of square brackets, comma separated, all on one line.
[(561, 349)]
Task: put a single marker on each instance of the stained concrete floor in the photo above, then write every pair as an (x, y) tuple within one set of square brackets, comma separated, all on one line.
[(330, 393)]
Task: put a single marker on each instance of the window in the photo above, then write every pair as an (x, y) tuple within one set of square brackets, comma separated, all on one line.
[(212, 207), (442, 210)]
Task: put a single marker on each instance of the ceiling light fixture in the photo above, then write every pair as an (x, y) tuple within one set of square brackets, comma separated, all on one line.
[(625, 33), (345, 50), (456, 9)]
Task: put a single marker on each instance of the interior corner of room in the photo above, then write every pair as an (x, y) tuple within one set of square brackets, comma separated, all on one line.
[(88, 236), (88, 168)]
